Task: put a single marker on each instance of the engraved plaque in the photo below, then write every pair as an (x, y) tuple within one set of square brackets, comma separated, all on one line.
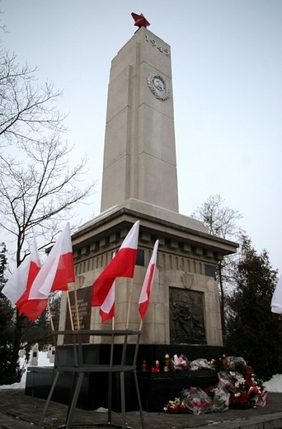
[(84, 312), (186, 317)]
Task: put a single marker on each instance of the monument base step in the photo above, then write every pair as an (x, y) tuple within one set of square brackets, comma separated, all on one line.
[(156, 388)]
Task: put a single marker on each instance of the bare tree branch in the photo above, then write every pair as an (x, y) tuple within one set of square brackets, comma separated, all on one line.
[(221, 222), (38, 188), (27, 110)]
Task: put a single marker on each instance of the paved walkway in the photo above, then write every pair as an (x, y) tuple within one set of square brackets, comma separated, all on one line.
[(19, 411)]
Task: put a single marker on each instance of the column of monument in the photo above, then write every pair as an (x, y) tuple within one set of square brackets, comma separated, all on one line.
[(139, 151)]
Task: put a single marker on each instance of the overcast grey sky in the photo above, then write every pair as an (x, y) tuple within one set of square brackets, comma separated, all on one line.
[(227, 85)]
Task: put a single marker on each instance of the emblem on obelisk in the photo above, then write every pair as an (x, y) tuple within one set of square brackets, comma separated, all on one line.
[(158, 86)]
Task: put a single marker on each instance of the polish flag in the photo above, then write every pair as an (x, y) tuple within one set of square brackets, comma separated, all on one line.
[(58, 269), (23, 277), (33, 309), (148, 281), (276, 301), (122, 265), (107, 309)]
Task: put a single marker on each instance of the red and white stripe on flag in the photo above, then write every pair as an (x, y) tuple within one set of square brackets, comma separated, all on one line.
[(148, 281), (107, 309), (55, 274), (122, 265), (58, 269), (23, 276)]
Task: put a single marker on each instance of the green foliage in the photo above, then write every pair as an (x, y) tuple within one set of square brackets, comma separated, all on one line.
[(18, 332), (7, 374), (8, 366), (252, 330)]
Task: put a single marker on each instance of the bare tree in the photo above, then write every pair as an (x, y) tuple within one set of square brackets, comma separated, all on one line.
[(37, 193), (221, 221), (27, 109), (38, 187)]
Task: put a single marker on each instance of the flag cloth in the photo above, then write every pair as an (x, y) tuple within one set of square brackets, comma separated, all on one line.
[(148, 281), (122, 265), (23, 277), (107, 309), (58, 269), (276, 301), (33, 309)]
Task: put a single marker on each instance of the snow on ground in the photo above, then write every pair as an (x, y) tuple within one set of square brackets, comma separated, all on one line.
[(273, 385), (43, 360)]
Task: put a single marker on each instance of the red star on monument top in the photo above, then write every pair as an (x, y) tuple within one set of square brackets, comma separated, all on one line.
[(140, 20)]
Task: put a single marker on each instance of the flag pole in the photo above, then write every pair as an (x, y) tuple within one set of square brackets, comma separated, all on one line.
[(113, 323), (76, 305), (70, 312), (141, 324), (50, 314), (129, 303)]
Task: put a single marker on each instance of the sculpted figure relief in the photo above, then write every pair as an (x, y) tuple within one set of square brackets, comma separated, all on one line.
[(186, 317)]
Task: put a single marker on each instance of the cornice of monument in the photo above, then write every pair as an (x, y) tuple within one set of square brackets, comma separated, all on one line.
[(165, 222)]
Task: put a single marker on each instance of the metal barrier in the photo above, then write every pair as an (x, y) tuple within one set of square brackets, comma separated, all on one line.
[(79, 367)]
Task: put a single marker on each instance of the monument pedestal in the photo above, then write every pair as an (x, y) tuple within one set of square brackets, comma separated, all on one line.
[(156, 389), (184, 301)]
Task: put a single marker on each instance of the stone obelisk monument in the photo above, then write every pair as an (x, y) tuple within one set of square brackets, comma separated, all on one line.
[(139, 154), (140, 183)]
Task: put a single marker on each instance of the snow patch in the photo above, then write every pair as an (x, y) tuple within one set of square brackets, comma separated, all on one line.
[(43, 360), (274, 384)]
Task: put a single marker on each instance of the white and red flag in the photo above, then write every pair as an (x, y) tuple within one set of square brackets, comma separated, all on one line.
[(32, 309), (122, 265), (58, 269), (107, 309), (23, 276), (276, 301), (148, 281)]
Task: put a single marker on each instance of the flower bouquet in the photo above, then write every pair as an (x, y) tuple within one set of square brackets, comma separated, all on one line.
[(246, 390), (175, 406), (196, 401), (180, 362), (238, 387), (220, 398), (199, 364)]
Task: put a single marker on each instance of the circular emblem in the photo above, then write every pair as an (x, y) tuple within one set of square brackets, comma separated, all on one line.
[(158, 86)]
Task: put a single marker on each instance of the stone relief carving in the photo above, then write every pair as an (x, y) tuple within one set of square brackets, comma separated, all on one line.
[(158, 86), (186, 317)]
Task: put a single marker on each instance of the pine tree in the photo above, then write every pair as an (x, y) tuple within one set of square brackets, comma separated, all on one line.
[(31, 332), (7, 372), (253, 331)]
